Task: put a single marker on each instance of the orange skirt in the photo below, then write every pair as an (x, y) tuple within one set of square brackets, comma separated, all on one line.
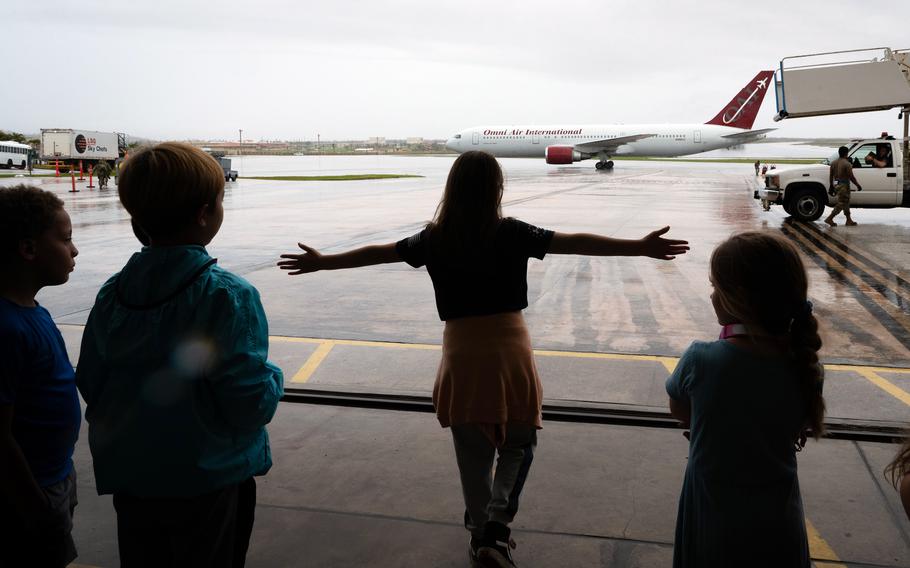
[(487, 374)]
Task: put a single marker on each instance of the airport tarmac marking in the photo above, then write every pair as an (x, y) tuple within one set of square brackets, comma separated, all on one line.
[(850, 249), (885, 385), (820, 549), (870, 373), (892, 315), (859, 262), (855, 278), (313, 362)]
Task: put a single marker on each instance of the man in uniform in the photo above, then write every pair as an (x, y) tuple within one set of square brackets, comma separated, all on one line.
[(839, 177), (103, 173)]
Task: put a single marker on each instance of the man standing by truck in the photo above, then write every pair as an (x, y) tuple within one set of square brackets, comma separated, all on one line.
[(840, 174)]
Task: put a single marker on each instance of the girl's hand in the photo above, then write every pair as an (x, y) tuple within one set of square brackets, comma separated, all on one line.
[(309, 261), (663, 249)]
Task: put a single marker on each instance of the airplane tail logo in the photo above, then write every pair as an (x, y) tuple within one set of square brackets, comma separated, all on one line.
[(742, 110)]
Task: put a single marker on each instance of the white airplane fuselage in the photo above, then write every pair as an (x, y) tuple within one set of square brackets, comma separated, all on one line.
[(668, 140)]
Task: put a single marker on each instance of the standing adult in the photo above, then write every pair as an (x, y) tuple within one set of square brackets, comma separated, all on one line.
[(840, 174), (757, 166), (103, 173)]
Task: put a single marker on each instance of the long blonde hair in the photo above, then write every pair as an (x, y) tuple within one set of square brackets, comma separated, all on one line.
[(471, 205), (745, 270)]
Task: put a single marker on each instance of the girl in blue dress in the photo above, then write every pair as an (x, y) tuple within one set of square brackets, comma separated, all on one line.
[(750, 400)]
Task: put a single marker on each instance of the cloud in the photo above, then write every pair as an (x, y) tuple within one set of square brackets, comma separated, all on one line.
[(349, 69)]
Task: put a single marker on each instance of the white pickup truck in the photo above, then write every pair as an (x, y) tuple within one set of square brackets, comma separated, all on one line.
[(803, 190)]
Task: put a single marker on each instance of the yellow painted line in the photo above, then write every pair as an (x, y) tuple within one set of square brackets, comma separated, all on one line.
[(668, 362), (355, 342), (885, 385), (819, 549), (898, 370), (313, 362), (591, 355)]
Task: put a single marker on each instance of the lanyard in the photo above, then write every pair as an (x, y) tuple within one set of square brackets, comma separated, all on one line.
[(733, 330)]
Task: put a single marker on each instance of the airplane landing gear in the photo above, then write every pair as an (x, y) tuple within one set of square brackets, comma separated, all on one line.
[(604, 165)]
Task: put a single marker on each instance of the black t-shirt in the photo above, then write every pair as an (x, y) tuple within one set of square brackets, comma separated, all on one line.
[(486, 280)]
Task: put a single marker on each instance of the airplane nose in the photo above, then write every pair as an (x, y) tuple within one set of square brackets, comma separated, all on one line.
[(450, 144)]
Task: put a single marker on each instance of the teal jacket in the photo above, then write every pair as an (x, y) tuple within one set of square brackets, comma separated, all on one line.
[(175, 377)]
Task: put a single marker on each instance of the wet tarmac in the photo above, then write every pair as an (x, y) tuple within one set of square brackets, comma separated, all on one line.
[(355, 486), (859, 279)]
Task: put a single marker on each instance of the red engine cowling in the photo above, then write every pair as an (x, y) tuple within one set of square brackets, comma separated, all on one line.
[(563, 155)]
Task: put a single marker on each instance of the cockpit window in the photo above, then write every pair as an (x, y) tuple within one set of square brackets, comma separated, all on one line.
[(457, 136)]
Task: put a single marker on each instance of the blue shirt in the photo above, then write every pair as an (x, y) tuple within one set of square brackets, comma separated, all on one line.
[(175, 376), (741, 490), (37, 379)]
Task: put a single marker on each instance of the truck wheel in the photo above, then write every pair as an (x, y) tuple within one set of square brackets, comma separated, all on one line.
[(234, 177), (808, 204)]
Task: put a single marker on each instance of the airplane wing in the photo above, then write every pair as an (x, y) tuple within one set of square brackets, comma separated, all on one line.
[(610, 144), (747, 134)]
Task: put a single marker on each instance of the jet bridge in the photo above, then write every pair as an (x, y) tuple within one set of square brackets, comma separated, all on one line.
[(843, 82)]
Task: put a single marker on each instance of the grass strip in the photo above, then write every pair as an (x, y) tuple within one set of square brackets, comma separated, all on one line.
[(346, 177), (722, 160)]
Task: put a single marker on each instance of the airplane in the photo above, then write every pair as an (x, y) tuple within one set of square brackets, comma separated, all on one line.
[(565, 144)]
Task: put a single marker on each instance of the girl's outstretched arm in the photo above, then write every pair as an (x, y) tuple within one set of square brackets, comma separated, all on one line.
[(652, 245), (312, 261)]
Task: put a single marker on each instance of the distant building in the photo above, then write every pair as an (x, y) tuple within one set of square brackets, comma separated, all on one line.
[(415, 140), (376, 140)]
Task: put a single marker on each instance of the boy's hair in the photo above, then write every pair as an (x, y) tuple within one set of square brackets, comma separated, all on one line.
[(744, 270), (900, 467), (471, 205), (164, 186), (842, 151), (25, 213)]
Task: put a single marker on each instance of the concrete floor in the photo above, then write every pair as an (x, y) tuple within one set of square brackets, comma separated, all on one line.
[(353, 487)]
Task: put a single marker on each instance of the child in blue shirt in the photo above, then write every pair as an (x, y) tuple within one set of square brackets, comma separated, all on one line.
[(39, 407), (749, 400), (175, 376)]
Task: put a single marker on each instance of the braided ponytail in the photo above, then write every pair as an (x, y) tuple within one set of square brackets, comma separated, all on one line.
[(804, 345)]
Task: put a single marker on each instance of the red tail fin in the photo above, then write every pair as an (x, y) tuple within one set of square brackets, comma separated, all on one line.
[(742, 110)]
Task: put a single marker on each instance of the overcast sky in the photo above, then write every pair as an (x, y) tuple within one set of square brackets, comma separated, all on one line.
[(282, 69)]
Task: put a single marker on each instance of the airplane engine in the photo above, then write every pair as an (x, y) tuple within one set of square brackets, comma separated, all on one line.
[(564, 155)]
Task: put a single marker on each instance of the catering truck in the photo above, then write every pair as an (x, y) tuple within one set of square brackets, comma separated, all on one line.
[(879, 165), (71, 146)]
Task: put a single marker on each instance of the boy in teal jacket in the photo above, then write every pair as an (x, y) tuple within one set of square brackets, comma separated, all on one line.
[(175, 376)]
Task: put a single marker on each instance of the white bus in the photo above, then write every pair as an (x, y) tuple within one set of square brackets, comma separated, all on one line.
[(13, 154)]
